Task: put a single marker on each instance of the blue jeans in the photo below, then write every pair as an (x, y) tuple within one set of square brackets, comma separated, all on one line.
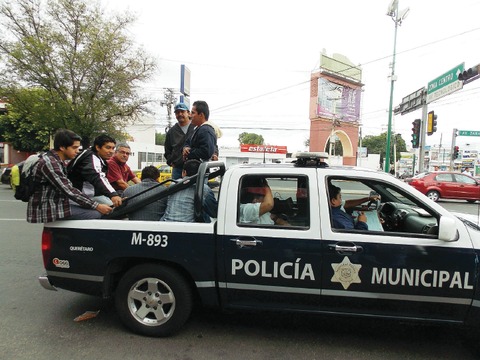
[(79, 213), (176, 173)]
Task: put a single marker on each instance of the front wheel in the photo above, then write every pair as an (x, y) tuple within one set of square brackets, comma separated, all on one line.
[(153, 300), (433, 195)]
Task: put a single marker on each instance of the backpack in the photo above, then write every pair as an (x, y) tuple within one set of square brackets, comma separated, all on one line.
[(27, 183)]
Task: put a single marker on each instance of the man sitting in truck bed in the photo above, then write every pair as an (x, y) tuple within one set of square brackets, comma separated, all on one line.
[(153, 211), (180, 205)]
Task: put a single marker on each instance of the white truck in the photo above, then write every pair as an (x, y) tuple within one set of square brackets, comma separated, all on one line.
[(416, 260)]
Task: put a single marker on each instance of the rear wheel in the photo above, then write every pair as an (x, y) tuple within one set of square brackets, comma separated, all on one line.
[(433, 195), (153, 300)]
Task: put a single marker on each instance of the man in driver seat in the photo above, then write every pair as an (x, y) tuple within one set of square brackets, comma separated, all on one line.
[(343, 220)]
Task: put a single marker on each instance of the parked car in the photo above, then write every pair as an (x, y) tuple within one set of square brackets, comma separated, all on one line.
[(446, 185), (6, 174)]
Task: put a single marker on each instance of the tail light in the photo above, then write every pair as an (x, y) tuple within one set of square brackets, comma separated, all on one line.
[(46, 245)]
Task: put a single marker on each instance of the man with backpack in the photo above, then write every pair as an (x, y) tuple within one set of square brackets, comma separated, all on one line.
[(53, 195)]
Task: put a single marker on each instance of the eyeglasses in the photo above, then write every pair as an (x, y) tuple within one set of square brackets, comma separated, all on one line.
[(124, 152)]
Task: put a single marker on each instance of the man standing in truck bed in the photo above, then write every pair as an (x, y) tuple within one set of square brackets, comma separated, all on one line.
[(175, 139), (203, 142)]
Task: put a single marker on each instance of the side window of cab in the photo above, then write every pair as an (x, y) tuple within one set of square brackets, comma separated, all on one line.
[(386, 209), (273, 201)]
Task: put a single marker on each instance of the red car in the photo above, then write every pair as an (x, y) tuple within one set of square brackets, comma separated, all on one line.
[(447, 185)]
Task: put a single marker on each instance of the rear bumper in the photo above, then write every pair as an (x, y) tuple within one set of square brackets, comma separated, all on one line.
[(43, 279)]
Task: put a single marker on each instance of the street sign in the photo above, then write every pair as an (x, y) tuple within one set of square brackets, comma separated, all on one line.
[(445, 84), (411, 102), (468, 133)]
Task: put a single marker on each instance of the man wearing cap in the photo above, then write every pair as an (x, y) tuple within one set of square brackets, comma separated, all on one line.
[(256, 201), (203, 142), (175, 139)]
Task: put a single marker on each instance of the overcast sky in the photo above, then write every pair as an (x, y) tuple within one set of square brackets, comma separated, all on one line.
[(252, 60)]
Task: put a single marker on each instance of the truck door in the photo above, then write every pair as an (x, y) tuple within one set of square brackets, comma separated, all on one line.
[(403, 270), (276, 263)]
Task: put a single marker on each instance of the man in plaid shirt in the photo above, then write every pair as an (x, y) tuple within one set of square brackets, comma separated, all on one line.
[(54, 196)]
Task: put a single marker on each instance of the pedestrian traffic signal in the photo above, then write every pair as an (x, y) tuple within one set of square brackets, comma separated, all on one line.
[(469, 73), (416, 133), (456, 152), (431, 123)]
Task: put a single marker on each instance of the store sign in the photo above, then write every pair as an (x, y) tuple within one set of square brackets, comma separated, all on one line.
[(270, 149)]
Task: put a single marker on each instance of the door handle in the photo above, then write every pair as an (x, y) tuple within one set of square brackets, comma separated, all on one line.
[(246, 243), (343, 248)]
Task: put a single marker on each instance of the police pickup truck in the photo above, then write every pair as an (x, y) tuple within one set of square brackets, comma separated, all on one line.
[(415, 261)]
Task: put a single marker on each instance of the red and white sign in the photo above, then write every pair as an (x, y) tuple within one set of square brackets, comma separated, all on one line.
[(271, 149)]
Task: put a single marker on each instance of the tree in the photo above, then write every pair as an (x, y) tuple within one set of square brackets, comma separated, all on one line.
[(376, 144), (85, 62), (28, 123), (250, 138), (160, 138)]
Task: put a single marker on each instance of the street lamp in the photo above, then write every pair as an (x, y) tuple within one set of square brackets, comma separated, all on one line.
[(397, 17)]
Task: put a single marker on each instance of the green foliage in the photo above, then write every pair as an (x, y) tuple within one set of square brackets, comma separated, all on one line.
[(377, 144), (337, 148), (160, 139), (250, 138), (28, 122), (83, 61)]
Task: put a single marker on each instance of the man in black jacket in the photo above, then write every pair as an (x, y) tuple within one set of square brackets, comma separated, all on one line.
[(88, 170), (175, 139), (203, 142)]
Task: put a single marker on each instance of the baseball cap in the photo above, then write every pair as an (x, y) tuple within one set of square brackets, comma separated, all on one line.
[(181, 106), (256, 190)]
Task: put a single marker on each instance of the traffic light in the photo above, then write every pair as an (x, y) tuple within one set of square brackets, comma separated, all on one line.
[(431, 123), (456, 151), (416, 133), (469, 73)]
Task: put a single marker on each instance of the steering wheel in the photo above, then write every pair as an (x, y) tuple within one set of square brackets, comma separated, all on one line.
[(374, 204)]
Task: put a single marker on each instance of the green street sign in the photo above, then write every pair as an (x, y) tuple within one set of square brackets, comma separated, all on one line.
[(445, 84), (468, 133)]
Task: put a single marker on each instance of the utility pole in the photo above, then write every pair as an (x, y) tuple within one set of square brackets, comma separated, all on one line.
[(421, 141), (454, 141)]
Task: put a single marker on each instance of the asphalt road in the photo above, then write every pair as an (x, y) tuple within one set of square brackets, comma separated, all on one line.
[(38, 324)]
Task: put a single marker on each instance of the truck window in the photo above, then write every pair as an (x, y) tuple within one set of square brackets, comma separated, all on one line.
[(273, 201), (386, 209)]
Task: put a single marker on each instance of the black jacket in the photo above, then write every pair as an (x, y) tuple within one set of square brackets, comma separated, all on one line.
[(174, 142), (88, 173), (202, 143)]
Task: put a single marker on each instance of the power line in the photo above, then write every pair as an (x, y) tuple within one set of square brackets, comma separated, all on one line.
[(349, 68)]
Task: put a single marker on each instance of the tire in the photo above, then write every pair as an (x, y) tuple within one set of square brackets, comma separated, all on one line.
[(471, 201), (153, 300), (433, 195)]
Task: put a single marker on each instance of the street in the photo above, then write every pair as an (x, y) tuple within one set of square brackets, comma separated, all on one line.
[(39, 324)]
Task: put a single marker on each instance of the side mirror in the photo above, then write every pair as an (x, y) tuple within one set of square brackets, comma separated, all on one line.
[(447, 231)]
